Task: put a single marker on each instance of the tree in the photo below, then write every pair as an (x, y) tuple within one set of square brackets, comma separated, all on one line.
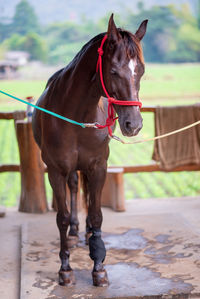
[(31, 43), (161, 22), (34, 44), (64, 40), (140, 6), (14, 42), (25, 19), (187, 46), (3, 31), (186, 38), (198, 14)]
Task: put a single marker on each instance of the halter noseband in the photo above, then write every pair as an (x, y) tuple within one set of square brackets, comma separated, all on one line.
[(111, 115)]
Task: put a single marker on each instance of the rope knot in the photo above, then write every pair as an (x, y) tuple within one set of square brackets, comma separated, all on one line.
[(109, 122), (111, 100), (100, 51)]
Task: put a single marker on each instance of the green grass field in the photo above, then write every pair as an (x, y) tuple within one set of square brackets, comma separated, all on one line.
[(161, 85)]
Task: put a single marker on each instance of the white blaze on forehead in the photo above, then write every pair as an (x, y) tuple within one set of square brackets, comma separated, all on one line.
[(132, 64)]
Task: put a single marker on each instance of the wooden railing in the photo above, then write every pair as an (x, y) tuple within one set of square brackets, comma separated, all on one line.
[(35, 201), (156, 167), (16, 168), (12, 115)]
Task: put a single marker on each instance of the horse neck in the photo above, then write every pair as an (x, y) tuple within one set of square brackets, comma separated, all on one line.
[(82, 88)]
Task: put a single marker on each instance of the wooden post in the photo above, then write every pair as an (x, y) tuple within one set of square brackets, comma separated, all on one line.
[(113, 190), (33, 195)]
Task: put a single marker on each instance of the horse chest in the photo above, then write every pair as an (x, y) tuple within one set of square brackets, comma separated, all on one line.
[(74, 154), (89, 157)]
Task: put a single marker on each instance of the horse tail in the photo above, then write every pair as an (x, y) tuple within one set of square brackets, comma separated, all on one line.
[(84, 184)]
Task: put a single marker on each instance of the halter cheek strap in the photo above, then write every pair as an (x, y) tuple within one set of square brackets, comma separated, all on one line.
[(111, 115)]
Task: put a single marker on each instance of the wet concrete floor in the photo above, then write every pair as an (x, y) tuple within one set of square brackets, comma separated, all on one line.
[(148, 256)]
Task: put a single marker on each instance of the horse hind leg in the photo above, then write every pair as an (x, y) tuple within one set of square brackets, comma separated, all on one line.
[(58, 183), (74, 223)]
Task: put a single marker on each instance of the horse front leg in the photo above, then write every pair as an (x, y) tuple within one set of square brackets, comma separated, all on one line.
[(88, 233), (74, 223), (58, 183), (84, 185), (96, 180)]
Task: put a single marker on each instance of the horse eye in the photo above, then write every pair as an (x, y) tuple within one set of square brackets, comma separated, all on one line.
[(113, 72)]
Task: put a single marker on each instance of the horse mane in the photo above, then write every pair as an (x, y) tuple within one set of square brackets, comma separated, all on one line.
[(75, 60), (132, 45)]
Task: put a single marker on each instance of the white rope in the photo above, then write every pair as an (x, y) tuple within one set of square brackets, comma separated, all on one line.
[(157, 137)]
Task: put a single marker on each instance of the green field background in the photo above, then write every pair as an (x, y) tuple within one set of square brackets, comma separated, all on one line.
[(161, 85)]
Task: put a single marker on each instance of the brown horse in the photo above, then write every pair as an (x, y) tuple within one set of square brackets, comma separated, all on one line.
[(75, 92)]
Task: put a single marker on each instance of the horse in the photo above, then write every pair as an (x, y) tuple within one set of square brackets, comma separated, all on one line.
[(110, 65)]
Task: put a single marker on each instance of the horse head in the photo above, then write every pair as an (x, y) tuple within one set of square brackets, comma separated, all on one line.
[(123, 68)]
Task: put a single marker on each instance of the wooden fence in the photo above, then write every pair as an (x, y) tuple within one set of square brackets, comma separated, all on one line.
[(33, 197)]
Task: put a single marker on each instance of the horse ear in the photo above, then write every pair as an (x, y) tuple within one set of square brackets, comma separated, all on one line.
[(113, 34), (141, 30)]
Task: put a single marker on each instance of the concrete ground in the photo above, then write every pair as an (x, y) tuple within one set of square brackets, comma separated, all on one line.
[(153, 251)]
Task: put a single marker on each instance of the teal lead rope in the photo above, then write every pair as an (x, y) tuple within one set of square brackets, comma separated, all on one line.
[(45, 110)]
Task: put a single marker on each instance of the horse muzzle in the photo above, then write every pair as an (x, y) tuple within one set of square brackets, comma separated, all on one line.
[(130, 127)]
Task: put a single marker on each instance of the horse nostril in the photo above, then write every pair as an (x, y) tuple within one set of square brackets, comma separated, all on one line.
[(132, 128), (128, 125)]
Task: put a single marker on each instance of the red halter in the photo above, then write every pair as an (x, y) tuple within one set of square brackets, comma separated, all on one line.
[(111, 115)]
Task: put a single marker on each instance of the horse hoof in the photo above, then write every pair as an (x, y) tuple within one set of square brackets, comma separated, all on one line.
[(100, 279), (87, 236), (72, 241), (66, 278)]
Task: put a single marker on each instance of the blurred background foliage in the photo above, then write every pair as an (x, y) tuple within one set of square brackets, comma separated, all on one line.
[(173, 33)]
